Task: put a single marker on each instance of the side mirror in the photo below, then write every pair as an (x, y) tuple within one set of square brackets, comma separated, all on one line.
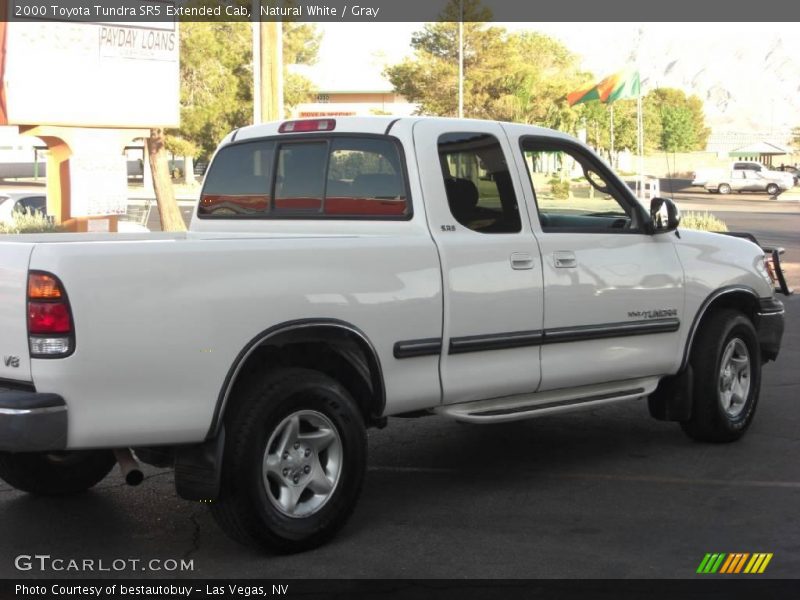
[(664, 215)]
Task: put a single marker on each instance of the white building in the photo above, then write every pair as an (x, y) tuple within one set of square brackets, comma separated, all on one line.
[(350, 93)]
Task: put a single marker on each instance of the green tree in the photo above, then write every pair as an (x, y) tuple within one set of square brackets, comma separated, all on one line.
[(678, 129), (300, 47), (595, 117), (665, 100), (673, 122), (178, 146), (217, 79), (507, 76), (301, 43), (168, 211)]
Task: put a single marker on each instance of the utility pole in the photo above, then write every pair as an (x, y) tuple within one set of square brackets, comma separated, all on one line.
[(267, 68), (256, 66), (461, 59)]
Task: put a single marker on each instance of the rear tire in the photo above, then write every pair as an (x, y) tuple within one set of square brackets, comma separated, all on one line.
[(726, 361), (724, 188), (55, 473), (295, 458)]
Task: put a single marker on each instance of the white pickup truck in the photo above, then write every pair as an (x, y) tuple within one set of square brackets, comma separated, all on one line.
[(341, 271), (744, 176)]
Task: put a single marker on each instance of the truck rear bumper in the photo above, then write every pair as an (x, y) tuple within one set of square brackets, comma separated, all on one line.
[(32, 422)]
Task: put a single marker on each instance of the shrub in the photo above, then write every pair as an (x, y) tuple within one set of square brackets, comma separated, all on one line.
[(25, 223), (560, 189), (702, 221)]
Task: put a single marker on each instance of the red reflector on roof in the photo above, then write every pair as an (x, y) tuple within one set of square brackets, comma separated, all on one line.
[(307, 125)]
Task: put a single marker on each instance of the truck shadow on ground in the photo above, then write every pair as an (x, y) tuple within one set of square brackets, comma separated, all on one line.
[(421, 472)]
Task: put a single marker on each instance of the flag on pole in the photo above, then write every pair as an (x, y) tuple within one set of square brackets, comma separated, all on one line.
[(624, 84)]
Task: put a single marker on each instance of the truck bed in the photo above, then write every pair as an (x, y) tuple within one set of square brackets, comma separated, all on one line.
[(162, 317)]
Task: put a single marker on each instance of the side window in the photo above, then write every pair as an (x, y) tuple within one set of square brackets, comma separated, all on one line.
[(365, 178), (571, 191), (337, 177), (240, 181), (300, 177), (31, 205), (479, 188)]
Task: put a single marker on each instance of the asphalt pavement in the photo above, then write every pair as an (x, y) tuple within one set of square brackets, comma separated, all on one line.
[(608, 493)]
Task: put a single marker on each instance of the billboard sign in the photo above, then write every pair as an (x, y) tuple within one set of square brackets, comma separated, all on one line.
[(90, 74)]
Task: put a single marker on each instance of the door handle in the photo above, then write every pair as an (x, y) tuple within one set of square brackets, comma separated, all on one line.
[(565, 259), (521, 261)]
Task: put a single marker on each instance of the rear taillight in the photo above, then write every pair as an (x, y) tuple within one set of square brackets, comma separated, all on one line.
[(51, 333)]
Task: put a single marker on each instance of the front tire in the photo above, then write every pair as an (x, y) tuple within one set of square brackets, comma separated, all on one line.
[(773, 189), (726, 361), (55, 473), (295, 458), (724, 188)]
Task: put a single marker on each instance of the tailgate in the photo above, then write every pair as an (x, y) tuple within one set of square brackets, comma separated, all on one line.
[(15, 362)]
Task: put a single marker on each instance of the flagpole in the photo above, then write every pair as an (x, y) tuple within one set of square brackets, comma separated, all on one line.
[(611, 155), (640, 142)]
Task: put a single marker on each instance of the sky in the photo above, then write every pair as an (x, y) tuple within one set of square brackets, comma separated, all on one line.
[(365, 45), (747, 72)]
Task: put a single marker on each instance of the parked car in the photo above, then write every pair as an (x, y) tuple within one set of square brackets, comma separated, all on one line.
[(17, 202), (744, 176), (793, 170), (768, 173), (341, 271), (21, 202), (748, 181)]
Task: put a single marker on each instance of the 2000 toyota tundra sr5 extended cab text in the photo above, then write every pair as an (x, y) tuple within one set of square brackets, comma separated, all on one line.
[(341, 271)]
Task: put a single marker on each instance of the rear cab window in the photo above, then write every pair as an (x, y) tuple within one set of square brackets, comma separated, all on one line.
[(344, 177)]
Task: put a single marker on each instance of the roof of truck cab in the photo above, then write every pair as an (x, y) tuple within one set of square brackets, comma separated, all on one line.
[(371, 125), (375, 125)]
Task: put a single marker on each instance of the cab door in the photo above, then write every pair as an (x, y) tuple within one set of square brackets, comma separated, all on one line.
[(613, 293), (739, 180), (754, 182), (491, 267)]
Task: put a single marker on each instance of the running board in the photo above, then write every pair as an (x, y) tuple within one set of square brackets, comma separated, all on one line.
[(516, 408)]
